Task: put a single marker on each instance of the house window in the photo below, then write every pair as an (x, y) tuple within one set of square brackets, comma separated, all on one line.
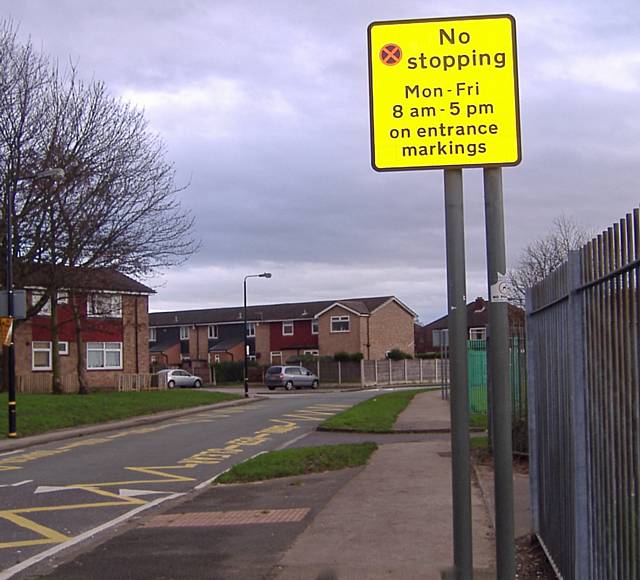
[(251, 328), (287, 328), (63, 348), (184, 333), (62, 297), (104, 305), (441, 337), (40, 355), (153, 336), (315, 327), (216, 358), (311, 352), (478, 333), (212, 332), (104, 355), (46, 308), (340, 323)]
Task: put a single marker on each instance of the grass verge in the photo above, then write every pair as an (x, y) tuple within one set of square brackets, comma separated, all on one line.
[(376, 415), (478, 421), (42, 413), (299, 461)]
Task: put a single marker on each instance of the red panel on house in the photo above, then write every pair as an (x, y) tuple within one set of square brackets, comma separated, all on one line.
[(301, 337), (93, 329)]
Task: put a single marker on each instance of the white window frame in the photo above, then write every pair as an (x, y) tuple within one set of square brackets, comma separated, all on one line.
[(63, 348), (153, 334), (315, 327), (184, 333), (46, 308), (101, 305), (475, 329), (287, 324), (251, 357), (104, 348), (212, 331), (275, 353), (251, 329), (62, 297), (40, 349), (216, 358), (312, 352), (340, 319)]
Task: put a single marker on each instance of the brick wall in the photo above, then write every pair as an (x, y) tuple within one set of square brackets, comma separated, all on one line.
[(199, 342), (263, 342), (391, 326), (332, 342)]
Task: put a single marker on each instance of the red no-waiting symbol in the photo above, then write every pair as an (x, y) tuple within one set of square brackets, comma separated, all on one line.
[(391, 54)]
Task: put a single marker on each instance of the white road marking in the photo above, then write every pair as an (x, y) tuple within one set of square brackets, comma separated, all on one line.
[(294, 440), (9, 572), (16, 484), (11, 452), (49, 488)]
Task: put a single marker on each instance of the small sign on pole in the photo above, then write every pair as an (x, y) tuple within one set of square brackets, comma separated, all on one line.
[(444, 93), (6, 330)]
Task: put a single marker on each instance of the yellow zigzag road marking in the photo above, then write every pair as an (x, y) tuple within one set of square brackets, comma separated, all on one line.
[(51, 536)]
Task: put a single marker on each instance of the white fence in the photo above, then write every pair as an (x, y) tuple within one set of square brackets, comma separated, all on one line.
[(380, 372)]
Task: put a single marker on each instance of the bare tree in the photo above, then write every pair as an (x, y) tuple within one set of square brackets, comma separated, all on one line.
[(543, 256), (117, 206)]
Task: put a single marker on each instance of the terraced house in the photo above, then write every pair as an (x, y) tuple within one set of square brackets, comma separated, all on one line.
[(278, 332)]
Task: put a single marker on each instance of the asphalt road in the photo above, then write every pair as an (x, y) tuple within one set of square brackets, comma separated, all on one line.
[(57, 495)]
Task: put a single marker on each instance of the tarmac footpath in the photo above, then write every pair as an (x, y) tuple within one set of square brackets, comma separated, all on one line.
[(389, 519)]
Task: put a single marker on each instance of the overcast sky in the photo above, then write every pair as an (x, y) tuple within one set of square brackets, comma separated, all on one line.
[(263, 107)]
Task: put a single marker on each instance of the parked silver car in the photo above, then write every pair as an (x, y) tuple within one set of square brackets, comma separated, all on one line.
[(178, 378), (290, 377)]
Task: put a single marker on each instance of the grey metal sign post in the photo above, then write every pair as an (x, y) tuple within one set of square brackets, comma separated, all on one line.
[(498, 365), (459, 393)]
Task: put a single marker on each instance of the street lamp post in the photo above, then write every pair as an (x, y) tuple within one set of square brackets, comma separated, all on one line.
[(246, 343), (11, 369)]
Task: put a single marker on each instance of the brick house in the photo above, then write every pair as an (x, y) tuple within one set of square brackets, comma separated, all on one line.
[(432, 336), (114, 329), (278, 332)]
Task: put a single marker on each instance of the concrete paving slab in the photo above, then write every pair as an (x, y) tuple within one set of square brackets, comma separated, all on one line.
[(522, 519), (427, 412), (393, 520)]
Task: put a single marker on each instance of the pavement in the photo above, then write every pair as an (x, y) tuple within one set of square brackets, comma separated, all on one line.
[(391, 519)]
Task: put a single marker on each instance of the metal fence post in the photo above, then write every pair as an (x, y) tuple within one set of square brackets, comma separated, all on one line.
[(362, 378), (578, 399), (532, 339), (390, 373)]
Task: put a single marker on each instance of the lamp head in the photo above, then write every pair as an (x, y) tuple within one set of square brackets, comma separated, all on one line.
[(265, 275)]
